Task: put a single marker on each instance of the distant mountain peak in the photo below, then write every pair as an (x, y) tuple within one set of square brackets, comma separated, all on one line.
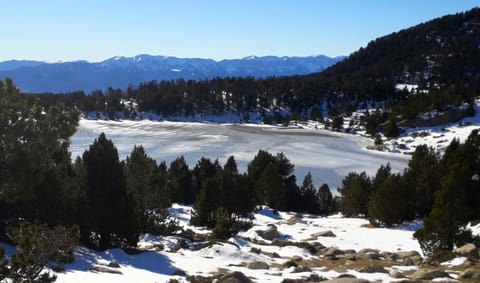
[(121, 71)]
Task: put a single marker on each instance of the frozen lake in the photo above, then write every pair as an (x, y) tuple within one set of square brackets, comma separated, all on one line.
[(327, 155)]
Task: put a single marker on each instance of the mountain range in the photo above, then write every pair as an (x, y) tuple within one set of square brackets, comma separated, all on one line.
[(120, 72)]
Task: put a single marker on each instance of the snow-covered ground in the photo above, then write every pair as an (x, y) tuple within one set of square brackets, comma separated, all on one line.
[(236, 253), (328, 155)]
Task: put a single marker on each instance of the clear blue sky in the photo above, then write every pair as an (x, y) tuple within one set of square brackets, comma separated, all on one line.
[(219, 29)]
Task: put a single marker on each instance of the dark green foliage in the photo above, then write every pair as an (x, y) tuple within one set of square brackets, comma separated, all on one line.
[(355, 191), (179, 182), (390, 202), (391, 129), (39, 247), (443, 227), (273, 179), (146, 182), (113, 218), (271, 189), (422, 175), (325, 200), (35, 166), (337, 123), (208, 200), (224, 225), (308, 200)]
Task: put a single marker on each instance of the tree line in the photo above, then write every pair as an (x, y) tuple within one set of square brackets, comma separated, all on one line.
[(443, 190)]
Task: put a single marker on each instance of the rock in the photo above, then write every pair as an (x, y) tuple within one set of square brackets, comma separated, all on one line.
[(388, 255), (416, 259), (405, 254), (346, 275), (368, 251), (235, 277), (298, 269), (467, 250), (333, 252), (113, 264), (104, 269), (257, 265), (350, 252), (408, 261), (269, 234), (373, 256), (346, 280), (297, 258), (425, 274), (372, 269), (326, 233), (179, 272), (396, 274), (275, 255), (470, 273)]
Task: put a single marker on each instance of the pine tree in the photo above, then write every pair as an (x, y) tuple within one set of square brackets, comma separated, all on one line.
[(390, 202), (308, 200), (113, 214), (146, 183), (423, 176), (39, 247), (355, 191), (324, 200), (179, 182), (444, 226)]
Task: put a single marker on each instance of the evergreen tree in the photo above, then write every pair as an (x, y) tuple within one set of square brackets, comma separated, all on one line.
[(355, 191), (423, 176), (208, 200), (113, 214), (203, 170), (390, 202), (325, 200), (39, 247), (308, 201), (179, 182), (271, 189), (146, 183), (444, 226)]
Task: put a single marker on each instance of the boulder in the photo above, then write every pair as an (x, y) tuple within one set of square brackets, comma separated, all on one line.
[(416, 259), (425, 274), (269, 234), (179, 272), (234, 277), (396, 274), (368, 251), (346, 280), (405, 254), (468, 250), (470, 273), (332, 252), (257, 265), (372, 269), (113, 264), (104, 269), (408, 261), (326, 233)]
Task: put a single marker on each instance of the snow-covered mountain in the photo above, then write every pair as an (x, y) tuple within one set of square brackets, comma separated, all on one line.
[(119, 72)]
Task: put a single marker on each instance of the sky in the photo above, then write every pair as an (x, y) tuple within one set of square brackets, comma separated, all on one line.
[(94, 30)]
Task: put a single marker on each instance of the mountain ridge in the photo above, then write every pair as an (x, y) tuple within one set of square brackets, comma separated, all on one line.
[(120, 71)]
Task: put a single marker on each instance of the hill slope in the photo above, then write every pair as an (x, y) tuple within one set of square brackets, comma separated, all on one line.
[(432, 54)]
